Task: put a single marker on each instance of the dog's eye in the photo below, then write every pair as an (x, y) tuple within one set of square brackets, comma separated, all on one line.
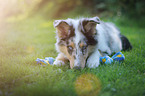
[(70, 47)]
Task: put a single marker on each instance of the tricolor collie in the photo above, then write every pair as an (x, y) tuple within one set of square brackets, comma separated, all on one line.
[(82, 41)]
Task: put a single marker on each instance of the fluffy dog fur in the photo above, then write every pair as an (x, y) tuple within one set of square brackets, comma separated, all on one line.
[(83, 41)]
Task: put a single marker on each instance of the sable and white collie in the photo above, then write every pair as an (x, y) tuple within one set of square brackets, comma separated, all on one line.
[(82, 41)]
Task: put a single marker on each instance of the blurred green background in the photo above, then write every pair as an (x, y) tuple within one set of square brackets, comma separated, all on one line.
[(52, 9), (27, 33)]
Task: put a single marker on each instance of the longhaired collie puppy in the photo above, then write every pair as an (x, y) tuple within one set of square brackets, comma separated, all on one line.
[(82, 41)]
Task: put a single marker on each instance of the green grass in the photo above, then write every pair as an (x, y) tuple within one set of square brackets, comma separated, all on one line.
[(21, 43)]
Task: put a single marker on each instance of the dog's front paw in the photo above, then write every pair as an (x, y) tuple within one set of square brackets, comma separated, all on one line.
[(59, 63), (92, 63), (93, 60)]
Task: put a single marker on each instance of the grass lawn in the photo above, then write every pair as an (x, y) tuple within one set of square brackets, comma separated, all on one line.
[(21, 43)]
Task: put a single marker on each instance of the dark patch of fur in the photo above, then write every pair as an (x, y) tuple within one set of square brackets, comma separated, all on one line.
[(90, 39), (126, 45), (89, 34)]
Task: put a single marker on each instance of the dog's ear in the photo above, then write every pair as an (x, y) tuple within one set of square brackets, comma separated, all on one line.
[(89, 29), (64, 30), (89, 25)]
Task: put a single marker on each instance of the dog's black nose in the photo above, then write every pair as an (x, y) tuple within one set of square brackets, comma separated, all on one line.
[(77, 67)]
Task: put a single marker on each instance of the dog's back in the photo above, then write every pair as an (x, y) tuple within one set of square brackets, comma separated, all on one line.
[(110, 39)]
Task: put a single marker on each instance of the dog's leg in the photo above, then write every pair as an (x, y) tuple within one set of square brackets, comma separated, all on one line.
[(93, 60), (60, 60)]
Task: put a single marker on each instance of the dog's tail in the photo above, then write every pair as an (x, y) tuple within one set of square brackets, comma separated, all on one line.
[(126, 45)]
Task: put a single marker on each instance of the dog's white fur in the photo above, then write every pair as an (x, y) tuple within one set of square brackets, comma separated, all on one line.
[(107, 37), (114, 40)]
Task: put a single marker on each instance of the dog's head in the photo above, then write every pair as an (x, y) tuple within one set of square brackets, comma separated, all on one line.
[(76, 39)]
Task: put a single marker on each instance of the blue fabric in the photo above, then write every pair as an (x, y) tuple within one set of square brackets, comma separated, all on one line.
[(46, 61), (50, 60), (108, 60), (118, 56)]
